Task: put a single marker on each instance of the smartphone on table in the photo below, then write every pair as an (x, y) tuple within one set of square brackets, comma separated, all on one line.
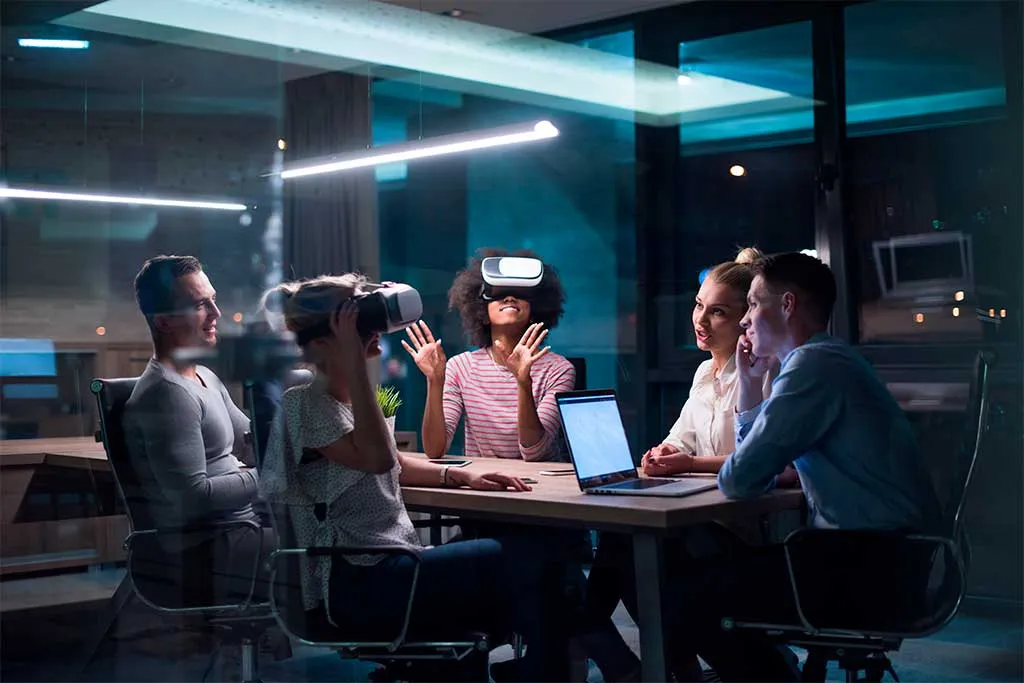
[(451, 462)]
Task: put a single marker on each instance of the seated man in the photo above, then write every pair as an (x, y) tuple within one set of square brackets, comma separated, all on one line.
[(183, 432), (859, 464)]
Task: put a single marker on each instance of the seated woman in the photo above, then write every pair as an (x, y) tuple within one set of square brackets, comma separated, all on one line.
[(332, 461), (699, 441), (703, 436), (506, 388)]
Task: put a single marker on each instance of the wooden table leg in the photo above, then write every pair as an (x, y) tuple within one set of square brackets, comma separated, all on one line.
[(648, 556), (436, 538)]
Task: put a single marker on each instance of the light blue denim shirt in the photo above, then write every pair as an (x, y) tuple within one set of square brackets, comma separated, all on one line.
[(832, 417)]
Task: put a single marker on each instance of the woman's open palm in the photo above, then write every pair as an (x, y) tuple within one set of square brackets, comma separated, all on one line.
[(526, 352), (426, 352)]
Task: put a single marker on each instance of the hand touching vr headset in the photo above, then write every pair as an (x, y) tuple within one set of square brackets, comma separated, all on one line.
[(503, 277), (382, 308)]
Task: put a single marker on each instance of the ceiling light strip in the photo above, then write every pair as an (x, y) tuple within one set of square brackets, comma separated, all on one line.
[(421, 149), (61, 44), (18, 193)]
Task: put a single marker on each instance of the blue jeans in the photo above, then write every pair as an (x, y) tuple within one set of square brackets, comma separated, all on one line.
[(496, 586)]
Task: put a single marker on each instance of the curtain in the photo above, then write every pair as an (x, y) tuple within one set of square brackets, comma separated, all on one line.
[(330, 221)]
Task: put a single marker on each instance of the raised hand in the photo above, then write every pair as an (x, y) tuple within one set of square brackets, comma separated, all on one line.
[(749, 366), (345, 346), (520, 359), (427, 353)]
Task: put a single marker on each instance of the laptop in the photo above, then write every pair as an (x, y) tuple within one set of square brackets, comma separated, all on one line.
[(592, 425)]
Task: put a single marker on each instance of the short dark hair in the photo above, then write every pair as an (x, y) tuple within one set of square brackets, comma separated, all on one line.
[(154, 284), (806, 274), (546, 300)]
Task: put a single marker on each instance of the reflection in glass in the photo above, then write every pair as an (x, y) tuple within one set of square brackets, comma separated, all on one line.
[(928, 171), (570, 200), (747, 178)]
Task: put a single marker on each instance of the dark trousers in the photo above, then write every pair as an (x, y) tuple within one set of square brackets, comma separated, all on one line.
[(878, 585), (210, 570), (611, 579), (612, 572), (495, 586)]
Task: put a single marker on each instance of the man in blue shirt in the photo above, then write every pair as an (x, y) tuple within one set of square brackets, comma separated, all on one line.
[(829, 414), (859, 464)]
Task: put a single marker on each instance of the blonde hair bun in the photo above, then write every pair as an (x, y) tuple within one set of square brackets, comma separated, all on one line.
[(748, 256), (304, 303)]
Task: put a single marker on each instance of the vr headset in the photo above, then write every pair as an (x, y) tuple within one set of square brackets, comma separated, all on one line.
[(383, 308), (510, 276)]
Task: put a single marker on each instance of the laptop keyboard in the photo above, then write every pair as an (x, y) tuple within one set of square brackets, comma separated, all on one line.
[(636, 484)]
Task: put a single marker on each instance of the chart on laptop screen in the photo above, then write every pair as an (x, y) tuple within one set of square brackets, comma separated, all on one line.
[(596, 437)]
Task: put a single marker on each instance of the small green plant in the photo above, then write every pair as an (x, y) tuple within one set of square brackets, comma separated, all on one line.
[(388, 400)]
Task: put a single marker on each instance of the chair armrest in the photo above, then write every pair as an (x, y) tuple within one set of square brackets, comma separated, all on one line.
[(193, 528), (863, 539), (212, 526), (435, 523), (344, 551)]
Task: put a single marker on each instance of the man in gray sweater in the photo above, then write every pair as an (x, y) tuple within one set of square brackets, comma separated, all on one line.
[(184, 436)]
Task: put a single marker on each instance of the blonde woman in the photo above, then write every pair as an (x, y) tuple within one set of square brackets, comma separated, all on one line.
[(332, 461), (699, 442), (703, 436)]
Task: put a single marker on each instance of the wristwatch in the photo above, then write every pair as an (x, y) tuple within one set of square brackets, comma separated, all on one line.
[(444, 475)]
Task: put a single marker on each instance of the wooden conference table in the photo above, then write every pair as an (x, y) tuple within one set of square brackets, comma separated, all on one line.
[(57, 536), (557, 500), (554, 500)]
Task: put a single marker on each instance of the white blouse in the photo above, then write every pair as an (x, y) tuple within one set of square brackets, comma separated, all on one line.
[(706, 422)]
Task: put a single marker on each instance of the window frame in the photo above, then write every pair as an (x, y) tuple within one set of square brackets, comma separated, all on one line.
[(658, 34)]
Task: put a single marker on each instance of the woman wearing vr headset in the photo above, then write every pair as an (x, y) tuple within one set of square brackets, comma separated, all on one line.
[(506, 388), (333, 462)]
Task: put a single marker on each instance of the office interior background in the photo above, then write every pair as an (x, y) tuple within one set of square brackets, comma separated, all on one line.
[(884, 137)]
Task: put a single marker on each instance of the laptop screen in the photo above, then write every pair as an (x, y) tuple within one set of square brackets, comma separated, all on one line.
[(597, 440)]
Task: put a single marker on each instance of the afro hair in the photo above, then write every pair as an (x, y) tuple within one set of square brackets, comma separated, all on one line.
[(546, 300)]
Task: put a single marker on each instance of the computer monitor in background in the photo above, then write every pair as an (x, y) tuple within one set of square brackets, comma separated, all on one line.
[(929, 267), (45, 390), (27, 358)]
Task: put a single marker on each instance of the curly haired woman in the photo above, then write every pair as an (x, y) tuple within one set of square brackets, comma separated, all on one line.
[(505, 388)]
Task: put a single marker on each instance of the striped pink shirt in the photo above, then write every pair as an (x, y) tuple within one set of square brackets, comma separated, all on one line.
[(486, 393)]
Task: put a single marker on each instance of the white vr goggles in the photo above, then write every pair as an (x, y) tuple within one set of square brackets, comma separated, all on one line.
[(510, 275), (383, 308)]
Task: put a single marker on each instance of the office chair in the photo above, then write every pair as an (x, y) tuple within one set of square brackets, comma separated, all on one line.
[(262, 397), (857, 648), (580, 365), (153, 585), (398, 653)]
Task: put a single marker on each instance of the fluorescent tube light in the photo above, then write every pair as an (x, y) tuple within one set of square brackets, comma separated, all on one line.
[(421, 149), (16, 193), (54, 43)]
